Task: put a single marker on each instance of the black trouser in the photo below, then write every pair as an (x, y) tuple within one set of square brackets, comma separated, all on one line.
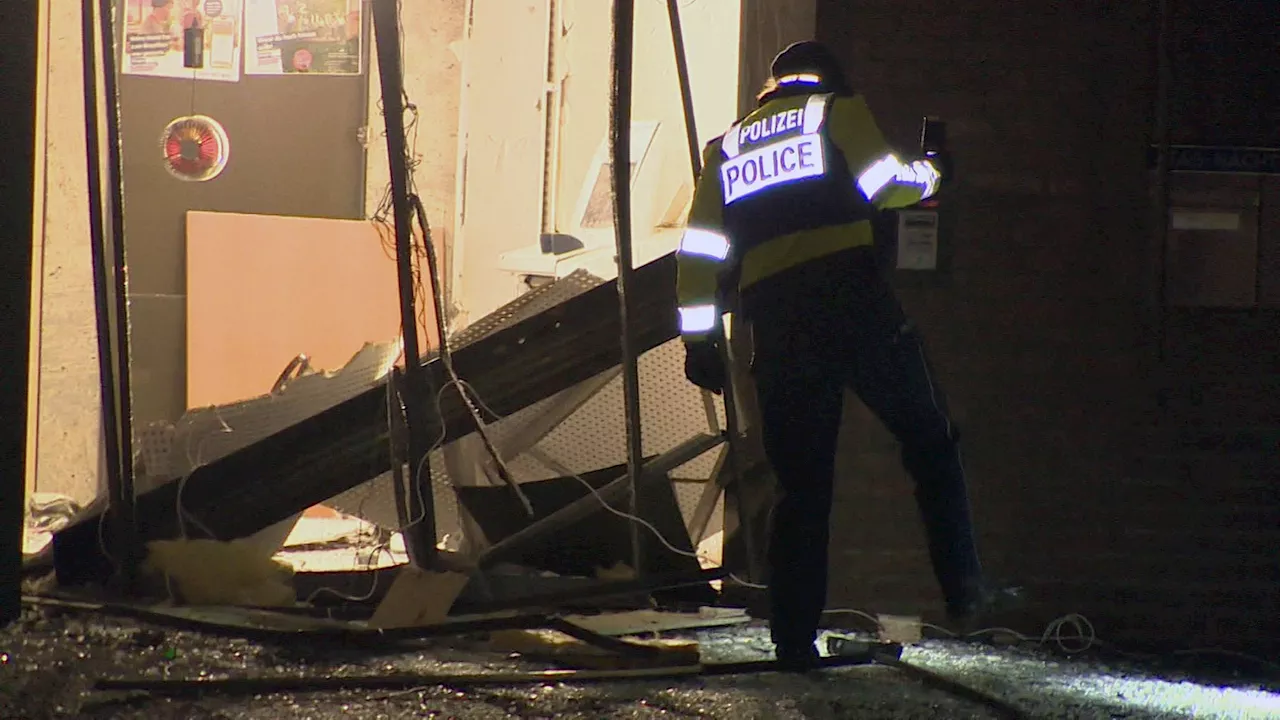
[(819, 329)]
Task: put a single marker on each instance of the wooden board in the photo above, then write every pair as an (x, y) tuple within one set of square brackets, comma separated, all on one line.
[(640, 622), (418, 597), (262, 289)]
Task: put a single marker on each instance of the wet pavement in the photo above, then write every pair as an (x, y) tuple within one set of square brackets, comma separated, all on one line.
[(49, 660)]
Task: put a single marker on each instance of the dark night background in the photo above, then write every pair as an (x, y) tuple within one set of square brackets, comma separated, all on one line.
[(1122, 448)]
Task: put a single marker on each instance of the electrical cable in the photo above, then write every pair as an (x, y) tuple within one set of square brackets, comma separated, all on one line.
[(446, 358), (424, 248), (466, 387)]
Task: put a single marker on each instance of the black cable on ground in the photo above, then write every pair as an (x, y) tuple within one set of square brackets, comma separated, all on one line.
[(267, 685)]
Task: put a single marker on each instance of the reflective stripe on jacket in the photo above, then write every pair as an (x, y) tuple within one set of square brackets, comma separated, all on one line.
[(783, 187)]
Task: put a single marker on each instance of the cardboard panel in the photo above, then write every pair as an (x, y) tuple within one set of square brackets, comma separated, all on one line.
[(262, 289)]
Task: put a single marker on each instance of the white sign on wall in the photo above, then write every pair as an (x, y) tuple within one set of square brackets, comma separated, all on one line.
[(918, 240), (1204, 220)]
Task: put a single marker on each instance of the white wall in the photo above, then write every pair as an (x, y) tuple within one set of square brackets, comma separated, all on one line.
[(431, 45), (65, 421), (711, 30), (503, 102), (506, 98)]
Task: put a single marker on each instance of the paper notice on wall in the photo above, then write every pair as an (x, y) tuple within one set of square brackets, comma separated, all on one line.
[(312, 37), (154, 32), (1204, 220), (917, 240)]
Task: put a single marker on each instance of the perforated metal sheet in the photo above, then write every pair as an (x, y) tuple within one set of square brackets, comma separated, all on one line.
[(527, 305), (203, 435), (671, 409)]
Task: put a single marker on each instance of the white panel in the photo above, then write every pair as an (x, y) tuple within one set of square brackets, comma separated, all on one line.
[(505, 97)]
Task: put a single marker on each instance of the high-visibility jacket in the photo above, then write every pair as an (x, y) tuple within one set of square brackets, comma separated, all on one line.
[(796, 180)]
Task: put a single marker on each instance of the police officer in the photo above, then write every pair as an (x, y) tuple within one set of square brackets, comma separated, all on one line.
[(784, 208)]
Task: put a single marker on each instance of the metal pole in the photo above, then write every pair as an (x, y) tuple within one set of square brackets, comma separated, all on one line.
[(18, 57), (119, 489), (620, 154), (686, 89), (1164, 82), (386, 28), (127, 532), (695, 162)]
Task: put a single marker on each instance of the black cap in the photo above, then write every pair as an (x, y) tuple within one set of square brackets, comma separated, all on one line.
[(807, 56)]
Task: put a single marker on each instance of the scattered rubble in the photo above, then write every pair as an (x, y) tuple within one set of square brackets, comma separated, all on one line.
[(50, 659)]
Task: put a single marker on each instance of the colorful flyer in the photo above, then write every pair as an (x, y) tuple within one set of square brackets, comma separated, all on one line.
[(156, 33), (311, 37)]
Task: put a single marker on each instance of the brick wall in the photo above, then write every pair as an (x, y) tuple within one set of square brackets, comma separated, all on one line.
[(1087, 485)]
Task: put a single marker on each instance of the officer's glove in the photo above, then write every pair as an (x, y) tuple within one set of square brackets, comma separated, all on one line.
[(704, 367)]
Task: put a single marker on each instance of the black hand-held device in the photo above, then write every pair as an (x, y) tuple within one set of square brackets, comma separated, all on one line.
[(933, 136), (193, 46)]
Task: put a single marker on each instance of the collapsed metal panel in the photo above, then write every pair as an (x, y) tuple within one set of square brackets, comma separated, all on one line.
[(375, 500), (595, 435), (591, 436), (340, 448), (169, 452)]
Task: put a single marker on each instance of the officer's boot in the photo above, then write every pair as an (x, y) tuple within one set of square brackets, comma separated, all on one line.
[(797, 657), (980, 601)]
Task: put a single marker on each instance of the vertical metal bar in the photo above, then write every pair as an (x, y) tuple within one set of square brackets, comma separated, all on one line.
[(695, 161), (401, 486), (386, 28), (127, 511), (686, 88), (366, 132), (551, 123), (620, 154), (18, 57), (39, 250), (119, 496), (1162, 131)]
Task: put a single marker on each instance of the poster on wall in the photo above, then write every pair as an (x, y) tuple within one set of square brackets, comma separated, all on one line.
[(153, 38), (312, 37)]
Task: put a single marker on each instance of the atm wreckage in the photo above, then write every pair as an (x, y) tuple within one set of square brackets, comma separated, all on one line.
[(554, 339)]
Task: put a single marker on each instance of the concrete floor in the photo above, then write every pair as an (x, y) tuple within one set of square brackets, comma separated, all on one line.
[(49, 660)]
